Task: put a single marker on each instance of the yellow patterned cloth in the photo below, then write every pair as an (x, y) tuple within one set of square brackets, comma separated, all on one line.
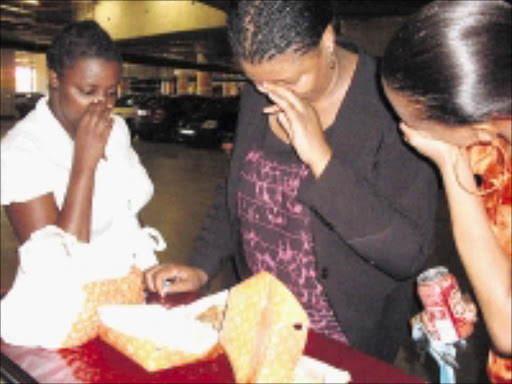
[(124, 290)]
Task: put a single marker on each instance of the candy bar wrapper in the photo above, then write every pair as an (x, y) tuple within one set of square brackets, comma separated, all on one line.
[(159, 338), (59, 285)]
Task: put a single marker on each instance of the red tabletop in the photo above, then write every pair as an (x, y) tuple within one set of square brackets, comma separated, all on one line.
[(97, 362)]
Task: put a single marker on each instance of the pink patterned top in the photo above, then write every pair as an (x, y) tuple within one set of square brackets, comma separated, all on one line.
[(277, 235)]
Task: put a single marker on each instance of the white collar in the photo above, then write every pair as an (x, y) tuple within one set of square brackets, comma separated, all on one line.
[(51, 136)]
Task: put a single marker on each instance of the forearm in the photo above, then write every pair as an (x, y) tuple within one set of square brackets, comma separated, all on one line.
[(486, 264), (392, 231), (76, 214), (215, 241)]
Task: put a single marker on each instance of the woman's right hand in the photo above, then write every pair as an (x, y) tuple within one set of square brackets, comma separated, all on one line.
[(440, 152), (452, 162), (174, 278), (92, 134)]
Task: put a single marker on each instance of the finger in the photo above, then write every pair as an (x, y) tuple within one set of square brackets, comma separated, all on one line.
[(93, 114), (167, 278), (283, 120), (106, 122), (88, 115), (272, 109), (283, 103), (177, 286), (404, 128), (285, 94), (149, 276), (409, 135), (160, 278)]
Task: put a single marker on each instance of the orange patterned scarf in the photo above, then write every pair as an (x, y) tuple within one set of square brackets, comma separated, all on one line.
[(491, 163)]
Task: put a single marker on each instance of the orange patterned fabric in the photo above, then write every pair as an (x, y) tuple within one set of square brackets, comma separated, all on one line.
[(124, 290), (492, 162), (264, 331), (499, 368), (151, 355)]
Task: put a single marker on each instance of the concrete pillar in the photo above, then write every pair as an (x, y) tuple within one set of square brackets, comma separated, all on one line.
[(203, 79), (7, 82), (124, 87), (167, 87), (182, 83), (39, 60), (229, 88), (204, 83), (166, 74)]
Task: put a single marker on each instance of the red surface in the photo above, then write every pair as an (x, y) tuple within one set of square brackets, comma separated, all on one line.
[(97, 362)]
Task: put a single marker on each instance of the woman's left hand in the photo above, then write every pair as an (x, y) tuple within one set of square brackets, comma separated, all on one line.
[(302, 125)]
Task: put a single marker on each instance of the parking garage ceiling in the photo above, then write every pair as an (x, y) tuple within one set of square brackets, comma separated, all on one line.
[(30, 25)]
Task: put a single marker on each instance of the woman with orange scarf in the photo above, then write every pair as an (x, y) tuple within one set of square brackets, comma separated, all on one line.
[(447, 73)]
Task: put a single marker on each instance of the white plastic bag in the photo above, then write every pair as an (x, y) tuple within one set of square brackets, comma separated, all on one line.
[(59, 285)]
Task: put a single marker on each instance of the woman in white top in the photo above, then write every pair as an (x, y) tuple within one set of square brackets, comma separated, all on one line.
[(70, 163), (70, 177)]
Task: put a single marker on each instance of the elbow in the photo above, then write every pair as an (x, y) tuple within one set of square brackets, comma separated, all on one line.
[(501, 341), (407, 262), (399, 254), (504, 346), (499, 326)]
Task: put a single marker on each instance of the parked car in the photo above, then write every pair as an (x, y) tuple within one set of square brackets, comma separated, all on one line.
[(126, 107), (210, 123), (158, 117), (24, 102)]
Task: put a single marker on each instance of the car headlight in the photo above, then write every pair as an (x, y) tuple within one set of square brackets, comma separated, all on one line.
[(209, 124), (187, 132)]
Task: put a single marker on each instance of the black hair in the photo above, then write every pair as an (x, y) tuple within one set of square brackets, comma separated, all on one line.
[(77, 40), (259, 30), (454, 58)]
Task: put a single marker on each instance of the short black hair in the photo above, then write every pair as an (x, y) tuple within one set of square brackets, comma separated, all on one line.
[(259, 30), (454, 58), (77, 40)]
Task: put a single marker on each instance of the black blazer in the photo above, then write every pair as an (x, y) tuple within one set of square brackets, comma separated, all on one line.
[(373, 214)]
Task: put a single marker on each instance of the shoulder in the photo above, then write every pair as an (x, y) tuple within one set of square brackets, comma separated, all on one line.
[(20, 139), (119, 141), (250, 114), (366, 83), (26, 170), (121, 130), (365, 105), (251, 101)]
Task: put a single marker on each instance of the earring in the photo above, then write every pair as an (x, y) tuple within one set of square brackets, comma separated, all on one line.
[(492, 183)]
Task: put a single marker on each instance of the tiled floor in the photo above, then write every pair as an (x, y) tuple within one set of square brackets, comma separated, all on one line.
[(185, 181)]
